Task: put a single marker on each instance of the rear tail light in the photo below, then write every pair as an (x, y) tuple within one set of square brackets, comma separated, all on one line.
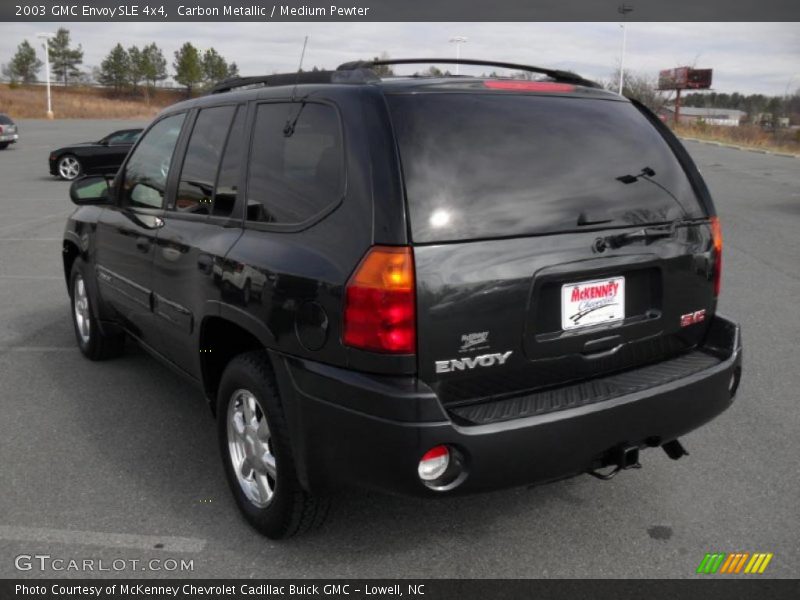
[(380, 311), (528, 86), (716, 237), (1, 129)]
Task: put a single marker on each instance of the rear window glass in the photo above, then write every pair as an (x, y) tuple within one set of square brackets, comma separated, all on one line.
[(5, 120), (497, 165)]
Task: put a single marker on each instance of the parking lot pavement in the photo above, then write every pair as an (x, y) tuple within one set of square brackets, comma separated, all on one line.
[(117, 460)]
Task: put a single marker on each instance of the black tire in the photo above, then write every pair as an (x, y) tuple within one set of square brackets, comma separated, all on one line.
[(63, 159), (4, 145), (291, 510), (98, 344)]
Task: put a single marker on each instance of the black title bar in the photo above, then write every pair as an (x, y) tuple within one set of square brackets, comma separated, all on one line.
[(428, 589), (399, 10)]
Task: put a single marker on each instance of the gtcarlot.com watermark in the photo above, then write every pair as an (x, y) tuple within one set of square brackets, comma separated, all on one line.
[(47, 562)]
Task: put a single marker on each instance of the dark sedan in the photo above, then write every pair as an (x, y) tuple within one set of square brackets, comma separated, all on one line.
[(98, 158)]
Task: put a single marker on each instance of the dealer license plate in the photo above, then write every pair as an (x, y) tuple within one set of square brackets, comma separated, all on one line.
[(592, 302)]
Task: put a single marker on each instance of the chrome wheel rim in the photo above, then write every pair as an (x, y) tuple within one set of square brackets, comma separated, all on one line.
[(250, 448), (80, 307), (69, 168)]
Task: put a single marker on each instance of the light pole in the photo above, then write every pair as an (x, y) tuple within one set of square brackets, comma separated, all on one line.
[(46, 37), (458, 40), (623, 10)]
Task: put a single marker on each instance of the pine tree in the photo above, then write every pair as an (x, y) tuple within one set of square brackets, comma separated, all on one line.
[(188, 67), (137, 68), (116, 68), (215, 69), (24, 65), (154, 64), (65, 59)]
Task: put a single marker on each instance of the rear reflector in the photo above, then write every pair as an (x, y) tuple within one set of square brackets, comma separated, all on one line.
[(434, 463), (716, 237), (380, 311), (529, 86)]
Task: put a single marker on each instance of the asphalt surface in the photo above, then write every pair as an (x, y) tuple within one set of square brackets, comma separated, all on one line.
[(118, 460)]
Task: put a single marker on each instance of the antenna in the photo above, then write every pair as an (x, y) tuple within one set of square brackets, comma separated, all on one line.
[(288, 129), (299, 67)]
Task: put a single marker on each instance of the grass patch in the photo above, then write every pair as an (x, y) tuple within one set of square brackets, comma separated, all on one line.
[(30, 102), (749, 136)]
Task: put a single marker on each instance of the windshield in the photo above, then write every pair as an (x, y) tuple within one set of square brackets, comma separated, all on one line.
[(499, 165)]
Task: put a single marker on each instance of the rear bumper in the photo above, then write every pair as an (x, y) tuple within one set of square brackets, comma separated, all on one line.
[(352, 428), (9, 138)]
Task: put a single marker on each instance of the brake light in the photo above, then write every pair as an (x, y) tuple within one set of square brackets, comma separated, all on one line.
[(380, 311), (529, 86), (716, 238), (1, 129)]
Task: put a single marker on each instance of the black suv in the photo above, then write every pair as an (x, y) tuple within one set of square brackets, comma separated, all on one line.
[(423, 285)]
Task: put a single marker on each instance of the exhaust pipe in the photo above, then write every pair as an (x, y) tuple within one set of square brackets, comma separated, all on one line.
[(675, 449)]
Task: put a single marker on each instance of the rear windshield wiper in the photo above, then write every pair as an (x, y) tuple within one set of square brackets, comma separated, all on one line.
[(646, 233)]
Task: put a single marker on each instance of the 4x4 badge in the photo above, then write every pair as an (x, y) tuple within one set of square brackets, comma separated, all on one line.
[(470, 341)]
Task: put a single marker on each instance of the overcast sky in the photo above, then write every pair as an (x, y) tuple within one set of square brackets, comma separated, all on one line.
[(746, 57)]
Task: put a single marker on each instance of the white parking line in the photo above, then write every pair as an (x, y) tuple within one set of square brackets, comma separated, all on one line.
[(97, 538), (31, 277), (36, 348)]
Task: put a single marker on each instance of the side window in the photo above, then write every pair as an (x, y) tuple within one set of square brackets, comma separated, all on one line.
[(228, 178), (121, 137), (296, 163), (145, 179), (196, 186)]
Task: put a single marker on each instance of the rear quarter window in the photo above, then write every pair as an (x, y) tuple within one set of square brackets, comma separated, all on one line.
[(296, 168), (487, 165)]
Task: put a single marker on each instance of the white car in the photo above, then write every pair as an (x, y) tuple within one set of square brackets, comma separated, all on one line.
[(8, 131)]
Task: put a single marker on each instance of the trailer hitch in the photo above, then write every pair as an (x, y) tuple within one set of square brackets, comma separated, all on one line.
[(622, 457)]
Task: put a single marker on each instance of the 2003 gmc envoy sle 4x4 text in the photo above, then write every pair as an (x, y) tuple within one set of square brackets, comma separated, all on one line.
[(420, 285)]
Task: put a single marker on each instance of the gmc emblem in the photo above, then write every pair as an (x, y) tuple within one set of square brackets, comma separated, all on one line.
[(694, 317)]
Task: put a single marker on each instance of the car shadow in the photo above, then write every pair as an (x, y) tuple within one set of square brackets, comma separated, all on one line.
[(153, 434)]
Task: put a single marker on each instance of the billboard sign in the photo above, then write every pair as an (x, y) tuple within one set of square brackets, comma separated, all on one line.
[(684, 78)]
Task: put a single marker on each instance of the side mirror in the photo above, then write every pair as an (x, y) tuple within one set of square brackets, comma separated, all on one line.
[(89, 190)]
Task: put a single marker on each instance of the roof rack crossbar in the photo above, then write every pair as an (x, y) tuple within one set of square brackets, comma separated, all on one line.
[(555, 74)]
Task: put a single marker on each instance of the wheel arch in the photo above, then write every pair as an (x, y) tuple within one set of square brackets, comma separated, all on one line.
[(220, 340), (69, 252)]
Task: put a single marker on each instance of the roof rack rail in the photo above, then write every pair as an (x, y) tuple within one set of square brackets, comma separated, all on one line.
[(555, 74), (279, 79)]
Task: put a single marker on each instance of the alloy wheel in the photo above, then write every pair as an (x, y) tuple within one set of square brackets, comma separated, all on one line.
[(250, 448), (80, 304), (69, 167)]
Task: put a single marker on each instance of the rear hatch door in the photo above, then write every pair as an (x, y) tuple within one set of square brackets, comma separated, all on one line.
[(556, 238)]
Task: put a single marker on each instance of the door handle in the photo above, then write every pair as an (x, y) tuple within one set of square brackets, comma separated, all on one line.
[(143, 244)]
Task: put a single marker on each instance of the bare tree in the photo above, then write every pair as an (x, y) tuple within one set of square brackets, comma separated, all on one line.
[(641, 87)]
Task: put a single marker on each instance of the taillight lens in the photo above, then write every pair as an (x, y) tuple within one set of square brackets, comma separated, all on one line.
[(434, 463), (380, 311), (716, 237)]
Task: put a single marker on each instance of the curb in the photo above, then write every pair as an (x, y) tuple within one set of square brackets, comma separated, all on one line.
[(744, 148)]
